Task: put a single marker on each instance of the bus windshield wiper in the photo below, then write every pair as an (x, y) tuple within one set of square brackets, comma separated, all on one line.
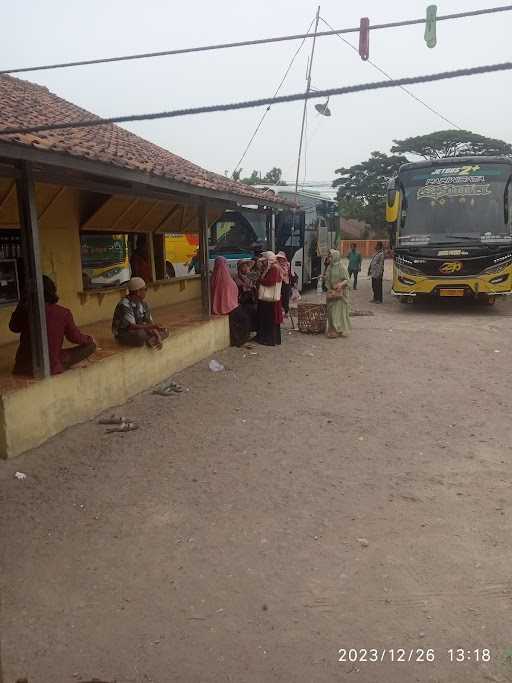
[(465, 237)]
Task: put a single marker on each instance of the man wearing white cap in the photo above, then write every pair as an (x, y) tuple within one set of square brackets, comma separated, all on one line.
[(132, 324)]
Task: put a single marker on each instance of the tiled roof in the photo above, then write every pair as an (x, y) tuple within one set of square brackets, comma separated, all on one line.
[(27, 104)]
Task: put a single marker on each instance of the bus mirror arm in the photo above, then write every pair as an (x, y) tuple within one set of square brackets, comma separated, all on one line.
[(506, 203)]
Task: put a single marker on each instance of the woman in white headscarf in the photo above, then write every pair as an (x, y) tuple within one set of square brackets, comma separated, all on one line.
[(270, 311)]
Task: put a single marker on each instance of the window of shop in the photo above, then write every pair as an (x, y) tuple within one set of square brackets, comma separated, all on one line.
[(105, 260), (11, 267)]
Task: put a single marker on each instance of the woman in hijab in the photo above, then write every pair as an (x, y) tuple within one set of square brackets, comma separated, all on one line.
[(270, 311), (224, 292), (286, 288), (247, 294), (245, 283), (337, 280)]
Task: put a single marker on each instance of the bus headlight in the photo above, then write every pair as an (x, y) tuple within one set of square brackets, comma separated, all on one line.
[(407, 269), (405, 280), (112, 272)]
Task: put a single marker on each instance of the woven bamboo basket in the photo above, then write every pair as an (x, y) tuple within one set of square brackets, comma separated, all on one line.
[(311, 318)]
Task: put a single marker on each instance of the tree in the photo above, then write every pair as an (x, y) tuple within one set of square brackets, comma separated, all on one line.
[(253, 179), (451, 143), (362, 188), (272, 177)]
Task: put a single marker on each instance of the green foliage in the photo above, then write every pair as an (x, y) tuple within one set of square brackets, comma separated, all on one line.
[(362, 188), (272, 177), (451, 143)]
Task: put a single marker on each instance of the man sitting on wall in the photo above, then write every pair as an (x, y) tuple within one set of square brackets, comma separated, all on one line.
[(59, 325), (133, 324)]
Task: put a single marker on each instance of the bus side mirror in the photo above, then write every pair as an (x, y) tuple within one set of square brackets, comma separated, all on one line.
[(392, 205)]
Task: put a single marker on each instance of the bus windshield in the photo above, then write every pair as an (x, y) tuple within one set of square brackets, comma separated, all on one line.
[(236, 233), (446, 203), (101, 251)]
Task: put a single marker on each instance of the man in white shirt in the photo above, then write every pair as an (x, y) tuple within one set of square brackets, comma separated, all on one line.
[(376, 272)]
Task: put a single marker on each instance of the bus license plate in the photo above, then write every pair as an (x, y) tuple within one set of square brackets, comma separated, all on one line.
[(451, 292)]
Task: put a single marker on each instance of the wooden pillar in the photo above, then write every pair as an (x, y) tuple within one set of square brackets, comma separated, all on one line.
[(159, 255), (150, 247), (203, 259), (271, 230), (34, 295)]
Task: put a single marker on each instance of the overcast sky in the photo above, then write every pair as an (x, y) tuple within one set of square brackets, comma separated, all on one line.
[(35, 32)]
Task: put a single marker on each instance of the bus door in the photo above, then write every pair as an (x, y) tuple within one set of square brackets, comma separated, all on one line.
[(289, 237)]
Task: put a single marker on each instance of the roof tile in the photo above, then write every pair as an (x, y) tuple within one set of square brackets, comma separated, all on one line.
[(28, 104)]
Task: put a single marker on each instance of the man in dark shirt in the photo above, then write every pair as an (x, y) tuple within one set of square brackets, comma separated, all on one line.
[(354, 263), (59, 325), (132, 324)]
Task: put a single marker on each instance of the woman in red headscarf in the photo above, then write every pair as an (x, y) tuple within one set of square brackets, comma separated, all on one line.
[(224, 294), (286, 271)]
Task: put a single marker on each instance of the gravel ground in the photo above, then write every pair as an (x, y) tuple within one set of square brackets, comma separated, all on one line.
[(321, 496)]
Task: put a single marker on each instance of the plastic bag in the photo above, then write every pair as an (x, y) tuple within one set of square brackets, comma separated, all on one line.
[(215, 366), (295, 295)]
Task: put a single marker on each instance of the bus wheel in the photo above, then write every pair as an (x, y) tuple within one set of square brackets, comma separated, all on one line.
[(170, 273)]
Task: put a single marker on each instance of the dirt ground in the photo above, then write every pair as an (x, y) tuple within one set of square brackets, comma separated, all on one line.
[(326, 495)]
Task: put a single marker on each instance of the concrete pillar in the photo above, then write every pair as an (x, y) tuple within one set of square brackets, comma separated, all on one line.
[(33, 294)]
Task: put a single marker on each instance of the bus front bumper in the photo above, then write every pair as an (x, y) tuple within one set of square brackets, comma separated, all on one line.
[(448, 287)]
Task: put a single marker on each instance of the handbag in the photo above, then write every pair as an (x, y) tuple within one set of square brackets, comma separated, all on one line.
[(334, 294), (270, 293)]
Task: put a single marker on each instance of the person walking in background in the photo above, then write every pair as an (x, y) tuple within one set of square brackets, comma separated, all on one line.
[(224, 293), (337, 281), (376, 272), (59, 325), (354, 263), (270, 310)]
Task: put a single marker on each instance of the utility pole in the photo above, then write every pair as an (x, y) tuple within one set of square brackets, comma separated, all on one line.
[(308, 90)]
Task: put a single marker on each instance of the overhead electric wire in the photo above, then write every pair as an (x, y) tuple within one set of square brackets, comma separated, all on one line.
[(259, 41), (249, 104), (260, 123), (406, 90)]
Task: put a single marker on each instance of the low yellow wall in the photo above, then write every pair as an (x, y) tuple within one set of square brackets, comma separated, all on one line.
[(94, 307), (30, 416)]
